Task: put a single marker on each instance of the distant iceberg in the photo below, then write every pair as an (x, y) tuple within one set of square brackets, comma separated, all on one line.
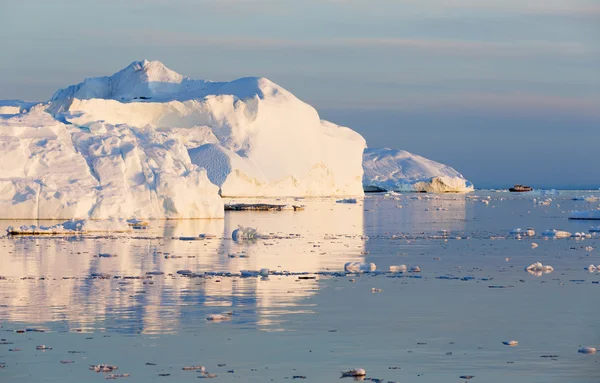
[(398, 170)]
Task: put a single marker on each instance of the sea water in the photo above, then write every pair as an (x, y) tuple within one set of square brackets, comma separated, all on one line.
[(308, 318)]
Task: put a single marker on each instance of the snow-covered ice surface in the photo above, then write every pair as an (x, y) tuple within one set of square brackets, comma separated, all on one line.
[(308, 315), (398, 170)]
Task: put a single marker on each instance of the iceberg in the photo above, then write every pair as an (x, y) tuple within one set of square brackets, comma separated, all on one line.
[(53, 170), (398, 170), (261, 140), (149, 143)]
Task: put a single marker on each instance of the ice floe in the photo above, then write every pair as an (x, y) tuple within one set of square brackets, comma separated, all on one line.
[(538, 269), (359, 267), (556, 233), (74, 227)]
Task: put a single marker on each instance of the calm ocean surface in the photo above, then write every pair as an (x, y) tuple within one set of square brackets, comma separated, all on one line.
[(445, 322)]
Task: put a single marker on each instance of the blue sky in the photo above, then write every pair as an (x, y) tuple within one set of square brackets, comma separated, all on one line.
[(506, 91)]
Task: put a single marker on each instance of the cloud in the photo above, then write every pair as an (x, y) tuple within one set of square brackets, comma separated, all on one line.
[(449, 47), (586, 8)]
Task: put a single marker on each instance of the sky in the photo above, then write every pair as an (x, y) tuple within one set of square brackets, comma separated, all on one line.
[(505, 91)]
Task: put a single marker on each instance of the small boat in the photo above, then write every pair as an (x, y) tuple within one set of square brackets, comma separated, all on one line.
[(520, 188)]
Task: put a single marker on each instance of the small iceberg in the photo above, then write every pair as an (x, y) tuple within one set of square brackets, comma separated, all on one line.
[(359, 267), (354, 373), (398, 269), (556, 233), (244, 233), (511, 343)]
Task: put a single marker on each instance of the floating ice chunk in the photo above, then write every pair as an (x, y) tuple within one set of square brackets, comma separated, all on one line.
[(398, 269), (355, 372), (264, 272), (587, 350), (581, 235), (219, 317), (587, 215), (534, 245), (244, 233), (591, 268), (347, 200), (415, 269), (198, 368), (556, 233), (375, 290), (515, 231), (359, 267), (539, 268), (510, 343), (73, 227), (103, 368)]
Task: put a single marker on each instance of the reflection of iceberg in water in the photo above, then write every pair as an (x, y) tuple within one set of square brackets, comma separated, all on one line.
[(60, 289)]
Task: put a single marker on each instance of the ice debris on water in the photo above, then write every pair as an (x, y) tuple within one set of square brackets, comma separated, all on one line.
[(219, 317), (355, 372), (415, 269), (527, 232), (510, 343), (592, 268), (534, 245), (539, 268), (359, 267), (581, 235), (103, 368), (587, 350), (244, 233), (556, 233), (198, 368), (398, 269)]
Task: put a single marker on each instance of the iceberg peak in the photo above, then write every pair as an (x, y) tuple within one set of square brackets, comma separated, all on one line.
[(152, 81)]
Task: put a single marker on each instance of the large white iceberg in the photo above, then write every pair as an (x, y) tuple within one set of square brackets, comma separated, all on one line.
[(263, 140), (52, 170), (147, 142), (398, 170)]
